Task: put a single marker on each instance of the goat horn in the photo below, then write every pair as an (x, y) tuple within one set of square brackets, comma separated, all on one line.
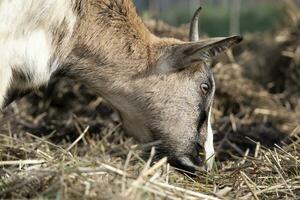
[(194, 32)]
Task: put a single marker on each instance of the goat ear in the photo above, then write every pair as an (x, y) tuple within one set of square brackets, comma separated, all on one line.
[(181, 56)]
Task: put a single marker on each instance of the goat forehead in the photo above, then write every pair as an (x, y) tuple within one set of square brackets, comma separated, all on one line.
[(200, 71), (207, 73)]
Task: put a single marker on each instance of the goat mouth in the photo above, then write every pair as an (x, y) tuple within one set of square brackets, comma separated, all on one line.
[(189, 162), (186, 163)]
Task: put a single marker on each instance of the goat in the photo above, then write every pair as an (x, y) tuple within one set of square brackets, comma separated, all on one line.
[(163, 88)]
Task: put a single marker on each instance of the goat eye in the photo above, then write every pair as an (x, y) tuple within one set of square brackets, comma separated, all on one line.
[(204, 88)]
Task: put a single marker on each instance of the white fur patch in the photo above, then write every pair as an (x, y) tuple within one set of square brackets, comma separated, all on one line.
[(28, 54), (26, 35), (209, 145), (5, 76)]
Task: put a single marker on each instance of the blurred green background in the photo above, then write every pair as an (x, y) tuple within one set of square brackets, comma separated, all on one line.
[(218, 17)]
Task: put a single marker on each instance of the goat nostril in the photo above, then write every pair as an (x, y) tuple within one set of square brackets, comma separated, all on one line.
[(190, 161), (185, 163)]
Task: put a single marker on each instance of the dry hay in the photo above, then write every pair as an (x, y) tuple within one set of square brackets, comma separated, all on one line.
[(66, 143), (109, 167)]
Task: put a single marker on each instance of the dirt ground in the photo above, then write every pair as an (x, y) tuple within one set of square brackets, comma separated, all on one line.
[(64, 142)]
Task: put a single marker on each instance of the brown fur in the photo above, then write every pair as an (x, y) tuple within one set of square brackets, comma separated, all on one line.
[(153, 82), (140, 74)]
